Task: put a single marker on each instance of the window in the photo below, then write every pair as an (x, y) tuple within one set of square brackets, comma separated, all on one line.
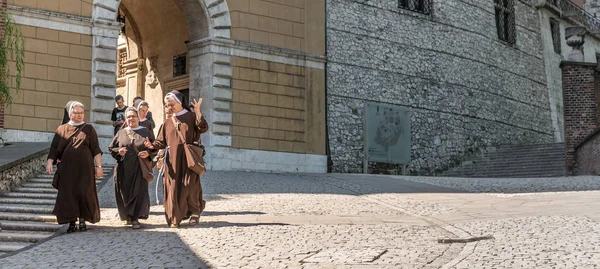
[(122, 58), (179, 64), (505, 20), (423, 6), (555, 29)]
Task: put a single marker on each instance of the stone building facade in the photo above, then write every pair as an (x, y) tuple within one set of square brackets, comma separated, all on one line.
[(257, 64), (465, 87)]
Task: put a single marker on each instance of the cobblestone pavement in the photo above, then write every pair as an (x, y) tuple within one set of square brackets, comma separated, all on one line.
[(255, 220)]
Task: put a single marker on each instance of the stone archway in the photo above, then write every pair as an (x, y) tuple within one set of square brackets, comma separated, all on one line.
[(210, 68)]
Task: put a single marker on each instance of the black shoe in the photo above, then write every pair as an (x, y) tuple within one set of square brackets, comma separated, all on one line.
[(82, 227), (72, 228)]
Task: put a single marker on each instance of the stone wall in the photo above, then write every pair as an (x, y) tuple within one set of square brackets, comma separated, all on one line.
[(57, 69), (15, 175), (268, 106), (587, 155), (466, 89), (72, 7)]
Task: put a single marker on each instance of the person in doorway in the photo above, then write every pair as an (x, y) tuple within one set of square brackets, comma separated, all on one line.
[(182, 187), (136, 101), (75, 144), (118, 113), (131, 188)]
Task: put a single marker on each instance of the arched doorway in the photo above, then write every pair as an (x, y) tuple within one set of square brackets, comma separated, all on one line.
[(159, 38)]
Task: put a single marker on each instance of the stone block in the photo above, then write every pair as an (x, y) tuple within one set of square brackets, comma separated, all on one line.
[(267, 144), (47, 34), (223, 117), (34, 71), (268, 122), (68, 88), (105, 55), (36, 45), (80, 77), (71, 38), (268, 99), (258, 110), (69, 62), (81, 52), (34, 124), (70, 7), (259, 87), (222, 94), (57, 48), (249, 120)]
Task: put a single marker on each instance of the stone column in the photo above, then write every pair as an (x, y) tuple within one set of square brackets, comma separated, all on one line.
[(210, 78)]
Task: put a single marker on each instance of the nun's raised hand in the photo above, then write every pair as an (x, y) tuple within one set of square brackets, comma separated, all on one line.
[(196, 105), (148, 144)]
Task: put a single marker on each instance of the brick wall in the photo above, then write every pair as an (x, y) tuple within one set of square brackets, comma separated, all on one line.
[(588, 155), (74, 7), (580, 106), (268, 106), (57, 69)]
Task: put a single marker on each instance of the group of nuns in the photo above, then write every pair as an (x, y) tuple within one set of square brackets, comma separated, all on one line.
[(76, 152)]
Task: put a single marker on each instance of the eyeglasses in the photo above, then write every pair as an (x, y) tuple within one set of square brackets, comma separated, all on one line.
[(77, 113)]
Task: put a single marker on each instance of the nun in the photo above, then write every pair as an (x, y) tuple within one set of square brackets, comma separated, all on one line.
[(75, 144), (182, 188), (142, 108), (131, 188)]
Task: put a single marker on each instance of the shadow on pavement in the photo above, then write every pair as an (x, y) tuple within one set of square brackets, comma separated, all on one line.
[(223, 183), (99, 248)]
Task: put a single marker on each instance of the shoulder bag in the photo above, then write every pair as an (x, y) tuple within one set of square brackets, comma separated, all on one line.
[(193, 153)]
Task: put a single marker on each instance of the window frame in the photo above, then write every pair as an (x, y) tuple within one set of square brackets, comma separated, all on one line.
[(556, 36), (420, 6), (504, 13)]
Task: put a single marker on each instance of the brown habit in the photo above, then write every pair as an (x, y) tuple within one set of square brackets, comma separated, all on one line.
[(131, 189), (77, 197), (182, 188)]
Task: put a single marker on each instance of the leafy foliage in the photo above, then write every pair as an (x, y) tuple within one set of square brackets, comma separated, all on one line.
[(11, 50)]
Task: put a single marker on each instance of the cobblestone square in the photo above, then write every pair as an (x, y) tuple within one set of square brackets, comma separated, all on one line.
[(256, 220)]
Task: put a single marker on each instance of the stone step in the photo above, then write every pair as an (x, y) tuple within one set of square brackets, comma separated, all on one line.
[(27, 201), (32, 209), (16, 216), (35, 190), (45, 176), (29, 195), (534, 146), (40, 180), (20, 236), (12, 246), (8, 225), (37, 185), (547, 163), (506, 174)]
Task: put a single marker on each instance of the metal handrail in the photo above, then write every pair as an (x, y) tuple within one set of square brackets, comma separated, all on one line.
[(577, 14)]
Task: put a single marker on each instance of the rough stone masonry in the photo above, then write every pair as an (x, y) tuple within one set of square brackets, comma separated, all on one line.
[(465, 88)]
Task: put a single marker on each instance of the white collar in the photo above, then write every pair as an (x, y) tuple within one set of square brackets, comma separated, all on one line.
[(181, 112), (75, 124), (142, 120), (133, 129)]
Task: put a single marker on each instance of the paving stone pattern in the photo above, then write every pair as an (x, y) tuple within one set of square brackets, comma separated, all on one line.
[(255, 220)]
